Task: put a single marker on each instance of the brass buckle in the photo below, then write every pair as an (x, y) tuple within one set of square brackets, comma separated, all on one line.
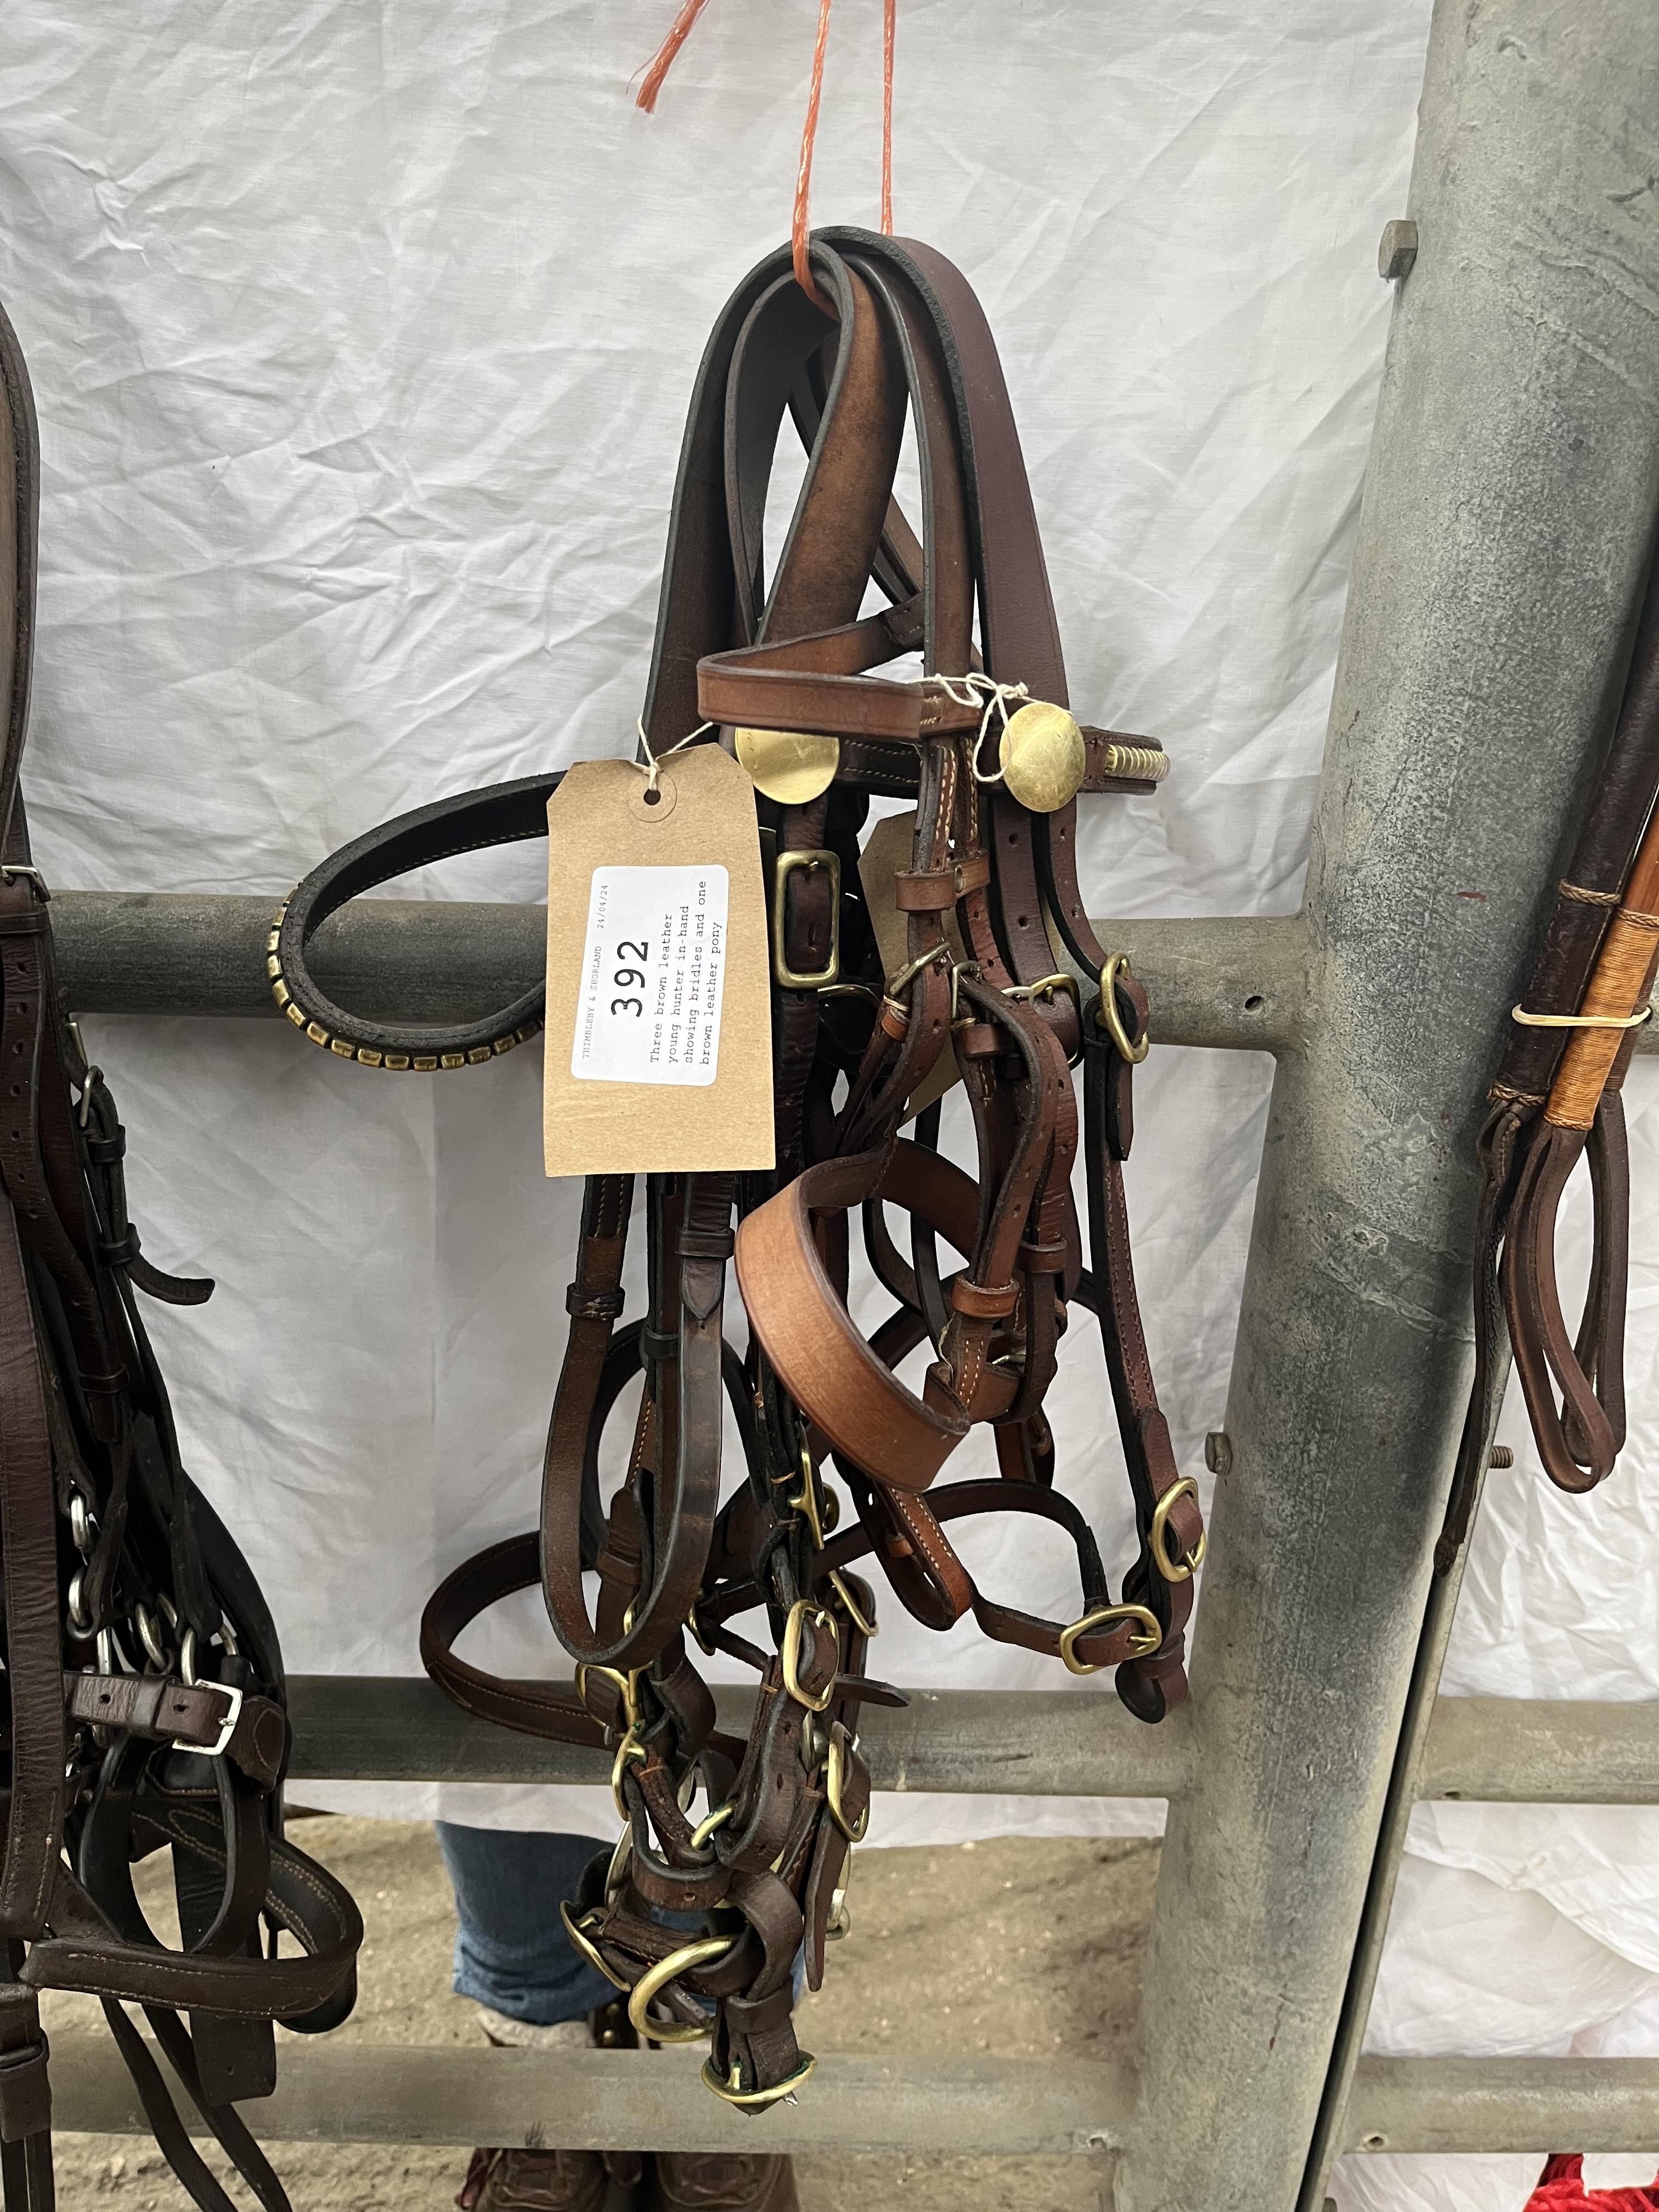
[(703, 1953), (822, 1620), (1141, 1645), (754, 2101), (865, 1624), (806, 1502), (835, 1782), (1158, 1536), (581, 1944), (1044, 987), (626, 1684), (812, 857), (1107, 1016)]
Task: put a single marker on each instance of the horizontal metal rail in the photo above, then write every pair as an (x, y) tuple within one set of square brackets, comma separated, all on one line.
[(1001, 1742), (1536, 2105), (1038, 1743), (985, 2106), (1235, 982), (1211, 982)]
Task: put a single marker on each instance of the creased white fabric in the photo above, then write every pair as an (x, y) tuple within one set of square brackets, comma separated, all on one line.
[(362, 334)]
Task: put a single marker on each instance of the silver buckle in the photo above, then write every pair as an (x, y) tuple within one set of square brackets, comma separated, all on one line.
[(227, 1728)]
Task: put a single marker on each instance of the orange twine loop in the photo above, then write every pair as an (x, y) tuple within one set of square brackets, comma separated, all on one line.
[(800, 233)]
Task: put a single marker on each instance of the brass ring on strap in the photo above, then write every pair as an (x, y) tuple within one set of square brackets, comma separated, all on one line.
[(1581, 1021), (755, 2100), (703, 1953), (1158, 1536), (1146, 1640), (1109, 1019), (706, 1827), (790, 1652), (583, 1945)]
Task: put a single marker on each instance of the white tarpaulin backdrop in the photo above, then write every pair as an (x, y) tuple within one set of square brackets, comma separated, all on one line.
[(362, 333)]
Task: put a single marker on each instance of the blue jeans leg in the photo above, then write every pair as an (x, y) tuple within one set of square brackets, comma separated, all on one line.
[(511, 1950)]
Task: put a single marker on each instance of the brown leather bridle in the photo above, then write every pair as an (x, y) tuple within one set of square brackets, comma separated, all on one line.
[(144, 1705), (852, 1047)]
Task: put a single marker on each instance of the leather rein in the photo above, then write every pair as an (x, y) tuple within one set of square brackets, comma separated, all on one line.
[(1558, 1099)]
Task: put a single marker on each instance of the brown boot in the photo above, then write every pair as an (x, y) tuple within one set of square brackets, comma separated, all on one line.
[(550, 2181), (534, 2181), (717, 2181)]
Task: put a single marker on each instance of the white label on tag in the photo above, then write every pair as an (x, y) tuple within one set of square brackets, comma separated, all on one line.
[(649, 1007)]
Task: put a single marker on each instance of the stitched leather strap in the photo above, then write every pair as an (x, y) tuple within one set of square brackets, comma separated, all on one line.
[(1556, 1086)]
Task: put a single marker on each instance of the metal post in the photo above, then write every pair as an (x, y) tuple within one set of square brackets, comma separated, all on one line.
[(1506, 527)]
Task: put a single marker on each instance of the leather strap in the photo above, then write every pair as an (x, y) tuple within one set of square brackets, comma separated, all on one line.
[(145, 1703), (1556, 1097)]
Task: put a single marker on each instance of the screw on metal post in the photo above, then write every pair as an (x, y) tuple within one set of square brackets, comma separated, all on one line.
[(1398, 251)]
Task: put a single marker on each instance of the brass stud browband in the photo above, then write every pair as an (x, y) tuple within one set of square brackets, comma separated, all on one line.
[(1145, 764), (395, 1063)]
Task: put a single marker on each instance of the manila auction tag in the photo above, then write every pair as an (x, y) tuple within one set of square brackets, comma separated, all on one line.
[(658, 996)]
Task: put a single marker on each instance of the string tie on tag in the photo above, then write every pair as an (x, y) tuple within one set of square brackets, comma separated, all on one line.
[(996, 696), (651, 766)]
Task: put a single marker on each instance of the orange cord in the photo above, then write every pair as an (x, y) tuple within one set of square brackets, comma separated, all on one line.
[(662, 61), (801, 230), (889, 31)]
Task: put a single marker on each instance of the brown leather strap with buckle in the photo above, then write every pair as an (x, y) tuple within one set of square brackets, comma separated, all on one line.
[(762, 1574)]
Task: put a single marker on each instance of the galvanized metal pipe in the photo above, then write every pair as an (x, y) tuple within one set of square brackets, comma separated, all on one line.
[(632, 2101), (1034, 1743), (1443, 2106), (1211, 982), (1506, 527), (993, 2107), (1422, 1707), (1030, 1743)]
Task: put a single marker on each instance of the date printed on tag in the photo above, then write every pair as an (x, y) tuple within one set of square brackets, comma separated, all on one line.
[(653, 970)]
